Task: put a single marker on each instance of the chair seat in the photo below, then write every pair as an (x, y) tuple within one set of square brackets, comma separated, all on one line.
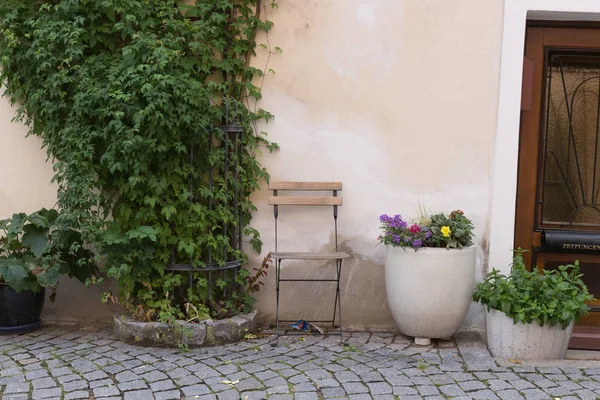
[(337, 255)]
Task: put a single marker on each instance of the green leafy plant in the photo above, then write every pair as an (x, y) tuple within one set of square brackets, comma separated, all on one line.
[(36, 249), (129, 99), (552, 297), (452, 231)]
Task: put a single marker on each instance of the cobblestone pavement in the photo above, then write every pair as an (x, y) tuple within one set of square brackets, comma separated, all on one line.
[(58, 363)]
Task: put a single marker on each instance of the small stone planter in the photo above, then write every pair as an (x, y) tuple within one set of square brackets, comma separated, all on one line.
[(204, 333), (525, 341)]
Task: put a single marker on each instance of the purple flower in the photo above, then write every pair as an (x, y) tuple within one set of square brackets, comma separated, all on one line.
[(396, 238), (428, 235), (417, 243), (385, 218)]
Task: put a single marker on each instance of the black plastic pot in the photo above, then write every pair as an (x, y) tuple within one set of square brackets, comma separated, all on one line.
[(20, 312)]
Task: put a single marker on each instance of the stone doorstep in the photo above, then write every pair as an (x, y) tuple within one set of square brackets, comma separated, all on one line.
[(474, 351), (205, 333)]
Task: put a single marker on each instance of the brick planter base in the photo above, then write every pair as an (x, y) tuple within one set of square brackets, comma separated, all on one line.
[(204, 333)]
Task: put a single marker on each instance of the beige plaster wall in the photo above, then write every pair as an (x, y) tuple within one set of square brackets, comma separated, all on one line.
[(396, 99)]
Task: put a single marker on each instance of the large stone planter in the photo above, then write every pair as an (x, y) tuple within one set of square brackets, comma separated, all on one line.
[(429, 291), (204, 333), (525, 341)]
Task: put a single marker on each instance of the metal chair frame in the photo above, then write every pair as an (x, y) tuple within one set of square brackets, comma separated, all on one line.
[(336, 256)]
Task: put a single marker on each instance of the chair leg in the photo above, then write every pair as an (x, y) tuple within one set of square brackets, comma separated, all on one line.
[(339, 297), (277, 273)]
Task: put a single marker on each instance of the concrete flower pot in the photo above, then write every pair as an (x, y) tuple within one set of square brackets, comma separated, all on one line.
[(525, 341), (429, 290)]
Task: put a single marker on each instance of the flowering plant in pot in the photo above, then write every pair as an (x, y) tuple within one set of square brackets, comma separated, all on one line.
[(530, 314), (429, 272), (35, 250)]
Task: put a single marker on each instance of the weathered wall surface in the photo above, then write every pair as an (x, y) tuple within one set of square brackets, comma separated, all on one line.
[(396, 99)]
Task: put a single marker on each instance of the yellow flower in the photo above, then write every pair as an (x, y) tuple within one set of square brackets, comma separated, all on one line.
[(446, 231)]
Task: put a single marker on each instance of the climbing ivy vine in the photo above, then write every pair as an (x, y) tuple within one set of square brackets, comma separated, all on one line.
[(120, 92)]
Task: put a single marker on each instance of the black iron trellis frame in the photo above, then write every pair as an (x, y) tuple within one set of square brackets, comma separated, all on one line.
[(231, 144)]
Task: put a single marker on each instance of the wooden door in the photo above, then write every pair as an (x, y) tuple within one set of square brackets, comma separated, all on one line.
[(558, 192)]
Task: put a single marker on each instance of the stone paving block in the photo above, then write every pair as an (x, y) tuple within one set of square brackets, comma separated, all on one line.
[(535, 394), (441, 379), (126, 376), (304, 396), (248, 384), (521, 384), (254, 395), (79, 394), (101, 383), (486, 394), (509, 394), (195, 390), (43, 383), (371, 376), (113, 369), (95, 375), (105, 391), (586, 394), (428, 390), (379, 388), (499, 384), (56, 372), (452, 390), (75, 385), (36, 374), (331, 392), (591, 385), (402, 391), (468, 386), (325, 383), (45, 393), (187, 380), (400, 380), (139, 395), (355, 387), (132, 385), (281, 397), (16, 388), (204, 397), (159, 386), (278, 389)]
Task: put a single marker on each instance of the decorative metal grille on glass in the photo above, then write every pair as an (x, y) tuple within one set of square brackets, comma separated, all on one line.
[(571, 186)]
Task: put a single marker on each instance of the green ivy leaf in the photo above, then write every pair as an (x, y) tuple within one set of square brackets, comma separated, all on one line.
[(13, 272), (36, 238)]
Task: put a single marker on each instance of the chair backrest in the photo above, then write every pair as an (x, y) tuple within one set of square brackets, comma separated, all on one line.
[(305, 200)]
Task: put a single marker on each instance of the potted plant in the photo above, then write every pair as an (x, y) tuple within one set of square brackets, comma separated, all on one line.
[(530, 314), (429, 273), (34, 251)]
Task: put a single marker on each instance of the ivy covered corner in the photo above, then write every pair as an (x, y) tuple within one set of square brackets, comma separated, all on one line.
[(148, 112)]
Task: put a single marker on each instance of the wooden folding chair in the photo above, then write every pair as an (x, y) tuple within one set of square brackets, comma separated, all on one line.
[(308, 200)]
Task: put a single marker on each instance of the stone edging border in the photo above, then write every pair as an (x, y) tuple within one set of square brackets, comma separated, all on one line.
[(205, 333)]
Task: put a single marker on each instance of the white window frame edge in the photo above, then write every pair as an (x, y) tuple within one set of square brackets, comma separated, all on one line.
[(505, 164)]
